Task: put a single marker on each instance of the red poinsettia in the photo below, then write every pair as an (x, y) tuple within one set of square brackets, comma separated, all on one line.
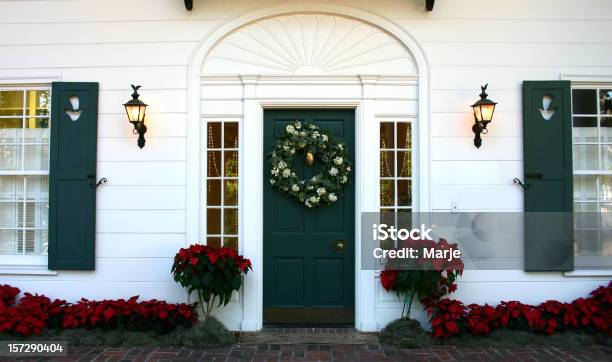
[(427, 279), (589, 315), (35, 312), (211, 272)]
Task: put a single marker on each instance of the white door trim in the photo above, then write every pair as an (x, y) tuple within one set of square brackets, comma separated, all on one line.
[(252, 160)]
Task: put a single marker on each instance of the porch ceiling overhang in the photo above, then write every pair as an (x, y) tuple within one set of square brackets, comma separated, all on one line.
[(429, 4)]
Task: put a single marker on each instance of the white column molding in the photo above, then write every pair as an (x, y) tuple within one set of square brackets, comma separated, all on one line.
[(365, 303), (251, 212)]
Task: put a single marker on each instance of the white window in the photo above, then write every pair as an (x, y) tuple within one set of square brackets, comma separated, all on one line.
[(221, 175), (24, 174), (395, 166), (592, 163)]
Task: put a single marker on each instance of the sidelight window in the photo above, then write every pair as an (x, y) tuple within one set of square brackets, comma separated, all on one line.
[(222, 191)]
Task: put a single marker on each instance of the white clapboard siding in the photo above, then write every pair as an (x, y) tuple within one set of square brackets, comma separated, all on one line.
[(460, 100), (141, 216), (501, 77), (110, 78), (518, 30), (140, 221), (105, 32), (462, 148), (459, 124), (74, 290), (481, 173), (169, 124), (159, 100), (513, 54), (116, 54), (142, 245), (156, 149), (111, 197), (505, 197), (143, 173), (521, 9)]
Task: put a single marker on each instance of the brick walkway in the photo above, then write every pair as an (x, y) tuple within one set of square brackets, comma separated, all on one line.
[(275, 352)]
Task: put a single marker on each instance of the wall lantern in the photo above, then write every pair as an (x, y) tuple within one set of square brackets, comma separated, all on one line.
[(136, 109), (483, 115)]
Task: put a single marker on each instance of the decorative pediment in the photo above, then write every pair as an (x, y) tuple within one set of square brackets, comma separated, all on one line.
[(309, 44)]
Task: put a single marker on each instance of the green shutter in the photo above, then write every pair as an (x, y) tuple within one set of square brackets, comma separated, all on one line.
[(72, 200), (547, 146)]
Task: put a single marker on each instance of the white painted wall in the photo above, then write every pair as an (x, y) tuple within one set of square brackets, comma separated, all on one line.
[(142, 217)]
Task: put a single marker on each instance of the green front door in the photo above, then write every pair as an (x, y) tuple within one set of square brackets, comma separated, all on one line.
[(306, 279)]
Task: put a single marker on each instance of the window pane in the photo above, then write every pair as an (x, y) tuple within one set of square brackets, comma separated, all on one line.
[(387, 164), (585, 129), (587, 242), (605, 188), (37, 188), (606, 129), (606, 242), (213, 221), (403, 135), (9, 214), (230, 196), (585, 157), (606, 157), (11, 130), (605, 101), (585, 215), (231, 163), (387, 193), (404, 163), (214, 242), (213, 193), (584, 101), (8, 242), (11, 103), (8, 188), (36, 157), (36, 130), (214, 135), (387, 137), (38, 102), (404, 193), (585, 188), (230, 221), (230, 136), (214, 163), (231, 242), (10, 158)]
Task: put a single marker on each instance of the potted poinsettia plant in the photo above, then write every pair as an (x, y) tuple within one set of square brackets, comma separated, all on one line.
[(212, 273), (427, 280)]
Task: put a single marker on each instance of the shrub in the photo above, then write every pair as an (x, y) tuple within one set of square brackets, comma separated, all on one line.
[(33, 313), (587, 315), (425, 279), (211, 272)]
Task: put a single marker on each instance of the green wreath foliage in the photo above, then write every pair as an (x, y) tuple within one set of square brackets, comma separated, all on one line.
[(331, 155)]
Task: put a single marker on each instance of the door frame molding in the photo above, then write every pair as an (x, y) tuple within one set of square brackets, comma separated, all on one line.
[(366, 123)]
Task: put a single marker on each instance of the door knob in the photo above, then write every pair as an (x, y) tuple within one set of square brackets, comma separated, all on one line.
[(339, 245)]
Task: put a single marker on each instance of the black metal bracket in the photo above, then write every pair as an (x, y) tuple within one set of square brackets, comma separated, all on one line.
[(102, 181), (429, 5), (189, 4), (516, 181)]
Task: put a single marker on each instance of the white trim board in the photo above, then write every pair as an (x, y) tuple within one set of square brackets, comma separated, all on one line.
[(251, 162)]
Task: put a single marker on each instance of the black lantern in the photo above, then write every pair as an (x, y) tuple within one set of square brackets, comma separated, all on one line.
[(483, 115), (136, 109)]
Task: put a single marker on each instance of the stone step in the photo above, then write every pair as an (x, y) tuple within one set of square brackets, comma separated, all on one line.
[(307, 336)]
